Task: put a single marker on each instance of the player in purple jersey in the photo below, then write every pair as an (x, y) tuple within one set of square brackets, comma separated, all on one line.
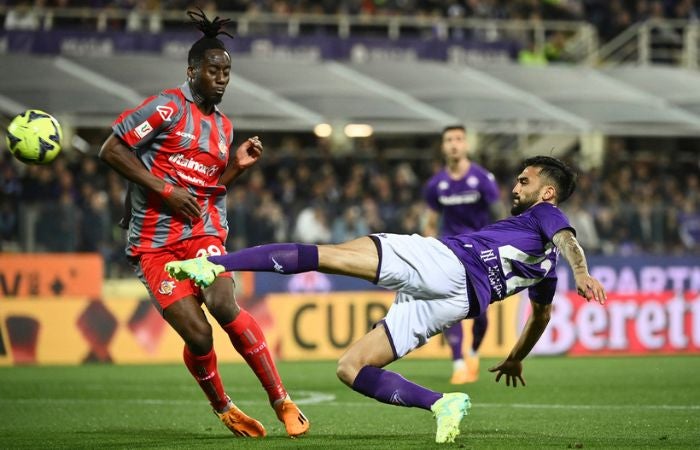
[(439, 283), (461, 198)]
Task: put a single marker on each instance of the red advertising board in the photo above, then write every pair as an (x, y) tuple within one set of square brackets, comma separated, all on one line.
[(641, 323)]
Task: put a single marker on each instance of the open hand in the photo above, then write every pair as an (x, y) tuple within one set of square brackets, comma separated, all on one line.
[(249, 152), (511, 369), (590, 288)]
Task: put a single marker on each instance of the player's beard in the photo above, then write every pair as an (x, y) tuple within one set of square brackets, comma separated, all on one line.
[(522, 205), (212, 98), (215, 98)]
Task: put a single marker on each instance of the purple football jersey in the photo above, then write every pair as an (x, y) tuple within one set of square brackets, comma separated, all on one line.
[(512, 254), (462, 203)]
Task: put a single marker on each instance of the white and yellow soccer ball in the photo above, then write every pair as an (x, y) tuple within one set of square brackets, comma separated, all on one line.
[(34, 137)]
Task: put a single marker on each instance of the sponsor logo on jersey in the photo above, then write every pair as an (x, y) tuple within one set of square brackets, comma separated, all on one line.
[(494, 277), (222, 149), (166, 287), (185, 135), (487, 255), (166, 112), (143, 129), (190, 179), (464, 198), (180, 160)]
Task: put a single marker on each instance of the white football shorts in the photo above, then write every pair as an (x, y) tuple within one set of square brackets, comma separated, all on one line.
[(431, 285)]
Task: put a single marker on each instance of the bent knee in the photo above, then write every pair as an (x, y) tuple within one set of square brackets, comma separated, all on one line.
[(347, 369), (199, 339)]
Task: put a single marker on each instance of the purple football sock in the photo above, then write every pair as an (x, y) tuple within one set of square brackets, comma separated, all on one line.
[(390, 387), (280, 258), (481, 323), (454, 336)]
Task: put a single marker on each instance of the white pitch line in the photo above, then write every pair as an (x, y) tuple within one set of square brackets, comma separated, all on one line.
[(317, 398)]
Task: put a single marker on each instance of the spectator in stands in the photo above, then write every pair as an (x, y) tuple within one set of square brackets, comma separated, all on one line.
[(689, 225), (94, 221), (531, 55), (267, 221), (57, 226), (237, 213), (22, 16), (349, 225), (312, 225), (29, 190), (9, 220), (584, 224), (382, 191), (686, 10), (370, 211)]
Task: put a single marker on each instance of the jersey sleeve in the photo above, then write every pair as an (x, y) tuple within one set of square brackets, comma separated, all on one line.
[(551, 220), (430, 195), (543, 292), (139, 126)]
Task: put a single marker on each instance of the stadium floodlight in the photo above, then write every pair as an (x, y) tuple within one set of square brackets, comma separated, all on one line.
[(358, 130), (323, 130)]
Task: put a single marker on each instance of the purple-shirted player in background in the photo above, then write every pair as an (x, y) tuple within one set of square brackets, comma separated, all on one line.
[(461, 198), (439, 282)]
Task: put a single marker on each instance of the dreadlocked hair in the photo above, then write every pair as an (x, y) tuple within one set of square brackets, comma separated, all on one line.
[(559, 174), (211, 29)]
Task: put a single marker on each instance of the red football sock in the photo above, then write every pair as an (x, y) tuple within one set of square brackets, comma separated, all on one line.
[(248, 339), (203, 369)]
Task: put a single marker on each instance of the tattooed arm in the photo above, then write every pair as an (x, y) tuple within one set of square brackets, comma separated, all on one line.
[(587, 286)]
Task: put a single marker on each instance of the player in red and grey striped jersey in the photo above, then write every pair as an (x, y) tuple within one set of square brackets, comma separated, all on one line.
[(174, 149), (184, 147)]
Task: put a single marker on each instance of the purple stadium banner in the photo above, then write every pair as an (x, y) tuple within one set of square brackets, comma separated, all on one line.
[(317, 47)]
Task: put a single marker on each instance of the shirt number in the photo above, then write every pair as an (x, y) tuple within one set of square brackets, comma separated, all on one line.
[(212, 250), (508, 254)]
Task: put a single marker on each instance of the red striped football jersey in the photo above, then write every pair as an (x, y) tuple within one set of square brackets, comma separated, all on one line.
[(181, 145)]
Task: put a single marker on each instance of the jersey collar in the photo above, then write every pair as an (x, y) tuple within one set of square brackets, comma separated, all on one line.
[(187, 92)]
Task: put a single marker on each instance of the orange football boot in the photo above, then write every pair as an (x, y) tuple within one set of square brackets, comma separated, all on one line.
[(240, 424), (469, 373), (295, 422)]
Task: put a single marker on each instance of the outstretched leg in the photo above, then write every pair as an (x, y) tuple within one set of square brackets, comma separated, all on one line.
[(358, 258)]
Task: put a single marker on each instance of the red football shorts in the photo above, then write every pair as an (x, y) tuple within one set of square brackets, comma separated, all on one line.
[(150, 268)]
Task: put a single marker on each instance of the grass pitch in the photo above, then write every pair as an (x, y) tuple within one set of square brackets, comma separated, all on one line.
[(641, 402)]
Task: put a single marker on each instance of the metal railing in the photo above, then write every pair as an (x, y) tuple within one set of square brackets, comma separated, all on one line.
[(582, 38), (672, 42)]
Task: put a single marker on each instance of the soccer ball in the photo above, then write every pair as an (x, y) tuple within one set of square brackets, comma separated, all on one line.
[(34, 137)]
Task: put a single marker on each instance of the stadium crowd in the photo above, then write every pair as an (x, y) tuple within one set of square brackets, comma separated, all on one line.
[(637, 203), (609, 17)]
